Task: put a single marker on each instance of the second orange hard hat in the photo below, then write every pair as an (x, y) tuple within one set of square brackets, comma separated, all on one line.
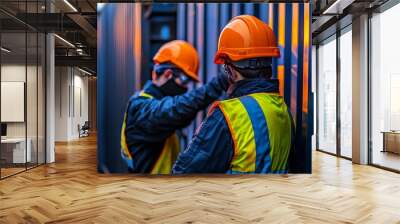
[(246, 37), (182, 54)]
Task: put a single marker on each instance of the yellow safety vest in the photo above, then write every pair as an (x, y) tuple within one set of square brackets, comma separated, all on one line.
[(168, 155), (260, 126)]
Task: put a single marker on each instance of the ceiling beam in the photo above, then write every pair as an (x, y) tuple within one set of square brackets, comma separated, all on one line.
[(84, 24), (337, 7), (82, 61)]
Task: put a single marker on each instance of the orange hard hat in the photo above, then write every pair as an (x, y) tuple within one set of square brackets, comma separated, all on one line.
[(246, 37), (182, 54)]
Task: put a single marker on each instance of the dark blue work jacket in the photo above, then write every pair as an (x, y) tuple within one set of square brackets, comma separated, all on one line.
[(150, 121), (212, 148)]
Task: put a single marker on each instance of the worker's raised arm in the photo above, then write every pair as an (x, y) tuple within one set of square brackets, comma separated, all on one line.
[(211, 149), (171, 113)]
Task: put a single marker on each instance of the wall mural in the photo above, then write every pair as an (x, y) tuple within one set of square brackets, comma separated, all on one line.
[(120, 68)]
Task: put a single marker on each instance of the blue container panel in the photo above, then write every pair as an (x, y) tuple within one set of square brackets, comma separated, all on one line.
[(118, 65)]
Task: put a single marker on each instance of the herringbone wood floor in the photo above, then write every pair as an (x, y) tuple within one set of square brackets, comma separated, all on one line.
[(71, 191)]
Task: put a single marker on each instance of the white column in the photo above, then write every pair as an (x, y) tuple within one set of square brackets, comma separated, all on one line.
[(50, 100), (314, 90), (50, 92), (360, 90)]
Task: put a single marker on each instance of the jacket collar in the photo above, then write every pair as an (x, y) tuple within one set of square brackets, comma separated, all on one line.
[(153, 90), (249, 86)]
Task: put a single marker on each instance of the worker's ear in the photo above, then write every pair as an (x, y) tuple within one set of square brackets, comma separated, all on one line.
[(154, 76), (235, 75), (162, 79), (168, 74)]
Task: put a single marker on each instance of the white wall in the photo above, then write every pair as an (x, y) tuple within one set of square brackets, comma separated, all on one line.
[(80, 110), (71, 102), (61, 103)]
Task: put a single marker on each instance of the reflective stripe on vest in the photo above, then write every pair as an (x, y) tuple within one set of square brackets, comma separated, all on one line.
[(168, 155), (142, 93), (260, 126)]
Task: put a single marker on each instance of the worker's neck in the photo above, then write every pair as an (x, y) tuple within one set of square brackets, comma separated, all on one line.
[(250, 86), (152, 89)]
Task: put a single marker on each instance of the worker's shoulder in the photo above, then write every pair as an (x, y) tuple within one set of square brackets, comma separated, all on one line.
[(216, 104), (137, 101), (213, 124), (215, 115), (229, 100)]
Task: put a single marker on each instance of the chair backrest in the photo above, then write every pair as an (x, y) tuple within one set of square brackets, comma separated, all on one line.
[(86, 125)]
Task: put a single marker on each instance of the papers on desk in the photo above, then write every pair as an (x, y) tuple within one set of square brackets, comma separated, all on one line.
[(13, 140)]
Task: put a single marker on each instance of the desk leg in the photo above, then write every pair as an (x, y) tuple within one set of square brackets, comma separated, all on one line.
[(384, 143)]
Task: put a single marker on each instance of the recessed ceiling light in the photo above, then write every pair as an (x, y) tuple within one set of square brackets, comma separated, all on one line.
[(65, 41), (337, 7), (70, 5), (5, 50), (84, 71)]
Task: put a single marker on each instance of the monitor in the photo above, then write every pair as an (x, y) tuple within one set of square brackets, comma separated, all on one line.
[(3, 129)]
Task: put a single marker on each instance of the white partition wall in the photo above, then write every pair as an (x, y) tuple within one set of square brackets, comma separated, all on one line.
[(23, 88), (14, 69)]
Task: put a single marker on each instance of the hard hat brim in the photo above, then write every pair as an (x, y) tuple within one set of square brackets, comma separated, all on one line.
[(187, 71), (192, 75), (245, 53)]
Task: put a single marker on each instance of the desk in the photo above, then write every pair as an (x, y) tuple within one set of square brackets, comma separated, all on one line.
[(15, 148), (391, 141)]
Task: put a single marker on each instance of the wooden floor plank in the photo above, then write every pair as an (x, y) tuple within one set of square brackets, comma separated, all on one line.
[(71, 191)]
